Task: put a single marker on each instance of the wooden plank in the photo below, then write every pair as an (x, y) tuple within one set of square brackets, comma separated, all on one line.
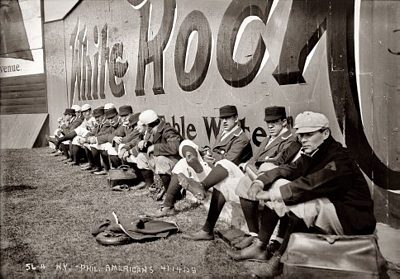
[(23, 95), (39, 78), (23, 87), (23, 101), (18, 95), (24, 109), (21, 130)]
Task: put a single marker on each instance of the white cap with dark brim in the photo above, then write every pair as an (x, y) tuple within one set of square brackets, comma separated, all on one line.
[(147, 117), (308, 121), (85, 107)]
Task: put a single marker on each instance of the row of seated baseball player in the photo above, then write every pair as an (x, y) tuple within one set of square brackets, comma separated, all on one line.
[(302, 177)]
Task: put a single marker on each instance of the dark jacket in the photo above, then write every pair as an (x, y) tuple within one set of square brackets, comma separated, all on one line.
[(280, 151), (74, 123), (122, 131), (101, 128), (166, 141), (333, 174), (132, 141), (117, 130), (107, 129), (235, 147)]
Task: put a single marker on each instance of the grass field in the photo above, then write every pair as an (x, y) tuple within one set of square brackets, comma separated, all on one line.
[(48, 210)]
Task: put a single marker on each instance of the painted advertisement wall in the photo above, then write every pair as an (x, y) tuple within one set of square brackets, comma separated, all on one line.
[(21, 42), (185, 59)]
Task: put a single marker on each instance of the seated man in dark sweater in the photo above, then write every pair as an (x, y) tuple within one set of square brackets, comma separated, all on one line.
[(323, 190)]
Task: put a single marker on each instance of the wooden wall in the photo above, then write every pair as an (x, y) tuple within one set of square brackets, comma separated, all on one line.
[(23, 94), (24, 130), (56, 71)]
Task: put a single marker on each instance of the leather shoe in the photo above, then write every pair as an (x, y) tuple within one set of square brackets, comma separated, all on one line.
[(255, 252), (120, 188), (86, 168), (198, 236), (246, 242), (192, 186), (273, 246), (102, 172), (164, 212), (271, 269)]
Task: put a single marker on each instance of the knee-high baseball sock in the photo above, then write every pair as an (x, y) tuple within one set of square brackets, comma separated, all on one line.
[(64, 150), (89, 156), (296, 224), (96, 158), (75, 153), (106, 160), (216, 206), (250, 212), (166, 179), (70, 150), (283, 225), (148, 176), (115, 161), (172, 192), (269, 219), (216, 175)]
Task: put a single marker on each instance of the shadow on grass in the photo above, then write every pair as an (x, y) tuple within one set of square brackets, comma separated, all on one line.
[(22, 187), (16, 253)]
